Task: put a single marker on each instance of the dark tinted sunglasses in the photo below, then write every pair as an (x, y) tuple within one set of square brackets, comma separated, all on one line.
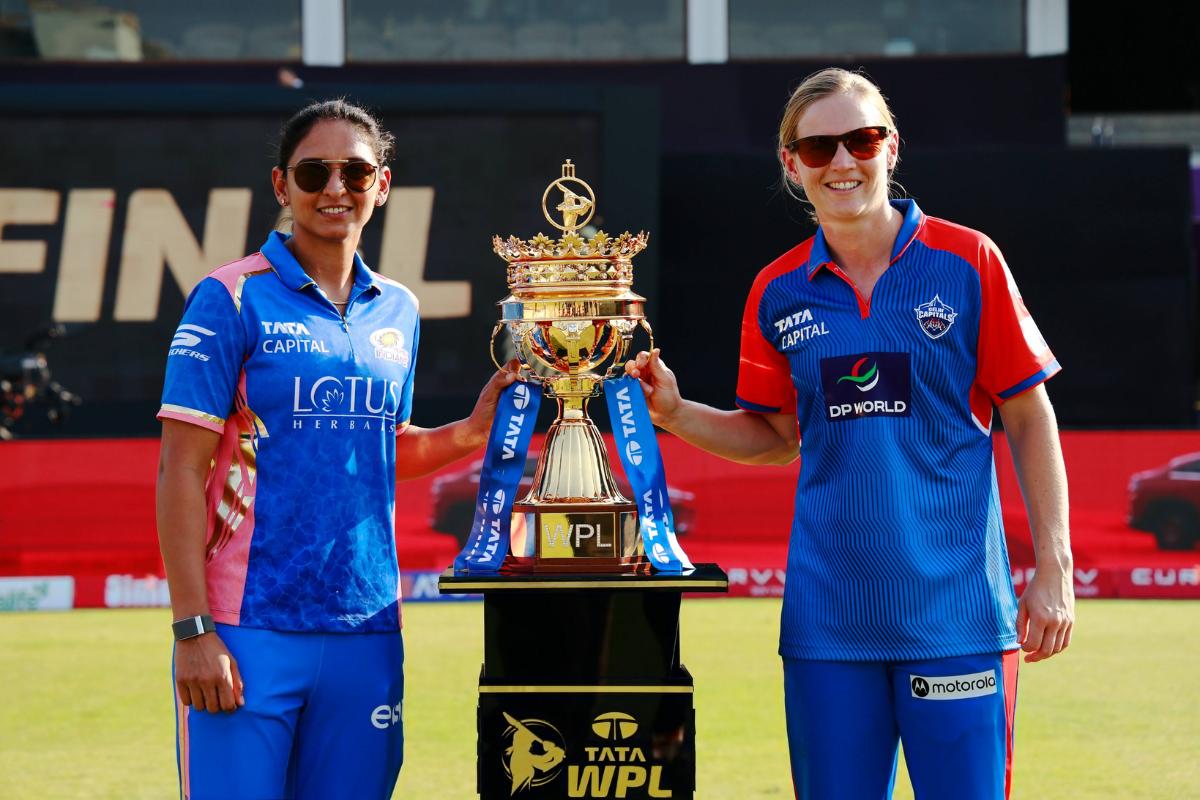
[(313, 176), (818, 151)]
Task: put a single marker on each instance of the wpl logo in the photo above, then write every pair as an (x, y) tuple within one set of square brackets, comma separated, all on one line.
[(536, 754)]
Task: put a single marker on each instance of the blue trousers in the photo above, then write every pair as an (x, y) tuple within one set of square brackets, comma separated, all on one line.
[(322, 720), (954, 717)]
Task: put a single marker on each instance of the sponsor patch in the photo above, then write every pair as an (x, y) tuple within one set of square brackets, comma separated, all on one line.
[(953, 687), (867, 385)]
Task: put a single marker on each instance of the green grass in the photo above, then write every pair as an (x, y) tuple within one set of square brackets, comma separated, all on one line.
[(86, 710)]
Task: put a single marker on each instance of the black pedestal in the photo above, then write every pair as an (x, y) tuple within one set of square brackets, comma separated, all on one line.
[(582, 693)]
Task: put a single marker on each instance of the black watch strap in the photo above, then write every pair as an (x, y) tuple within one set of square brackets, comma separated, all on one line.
[(190, 627)]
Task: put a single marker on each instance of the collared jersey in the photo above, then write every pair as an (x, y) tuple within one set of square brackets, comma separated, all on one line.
[(897, 549), (300, 534)]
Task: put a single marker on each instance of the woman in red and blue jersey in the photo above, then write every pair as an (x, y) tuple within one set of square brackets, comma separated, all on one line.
[(878, 349), (285, 427)]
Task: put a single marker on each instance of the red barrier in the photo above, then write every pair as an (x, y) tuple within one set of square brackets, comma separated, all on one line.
[(85, 509)]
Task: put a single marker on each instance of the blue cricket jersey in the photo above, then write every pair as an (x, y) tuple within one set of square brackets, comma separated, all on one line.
[(897, 549), (301, 496)]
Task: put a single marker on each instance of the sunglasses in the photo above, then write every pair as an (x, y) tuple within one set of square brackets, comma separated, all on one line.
[(313, 176), (818, 151)]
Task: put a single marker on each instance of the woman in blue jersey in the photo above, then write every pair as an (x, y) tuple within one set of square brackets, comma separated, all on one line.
[(285, 427), (878, 349)]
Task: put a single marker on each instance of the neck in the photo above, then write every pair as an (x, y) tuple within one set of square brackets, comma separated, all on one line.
[(329, 263), (863, 245)]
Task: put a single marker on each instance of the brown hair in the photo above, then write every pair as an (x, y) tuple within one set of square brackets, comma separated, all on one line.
[(818, 86)]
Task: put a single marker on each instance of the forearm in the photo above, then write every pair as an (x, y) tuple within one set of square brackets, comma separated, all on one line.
[(181, 515), (1037, 456), (420, 451), (736, 435)]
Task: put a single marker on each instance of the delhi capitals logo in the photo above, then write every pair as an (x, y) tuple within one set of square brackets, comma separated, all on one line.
[(862, 378), (935, 317)]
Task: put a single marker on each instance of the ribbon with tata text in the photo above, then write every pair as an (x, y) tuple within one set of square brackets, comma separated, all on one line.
[(503, 463), (643, 465)]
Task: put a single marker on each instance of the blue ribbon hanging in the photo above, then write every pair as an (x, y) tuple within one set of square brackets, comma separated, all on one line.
[(503, 464), (642, 462)]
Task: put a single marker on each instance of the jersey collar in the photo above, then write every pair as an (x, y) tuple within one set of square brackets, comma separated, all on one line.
[(293, 275), (819, 255)]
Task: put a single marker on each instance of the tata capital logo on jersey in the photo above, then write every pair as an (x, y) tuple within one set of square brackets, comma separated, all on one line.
[(350, 403), (186, 338), (935, 317), (798, 327), (389, 346), (867, 385), (290, 337)]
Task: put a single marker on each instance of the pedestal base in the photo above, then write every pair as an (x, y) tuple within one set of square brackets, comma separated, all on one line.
[(582, 693)]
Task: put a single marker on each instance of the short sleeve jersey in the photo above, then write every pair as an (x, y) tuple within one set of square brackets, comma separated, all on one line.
[(300, 533), (897, 549)]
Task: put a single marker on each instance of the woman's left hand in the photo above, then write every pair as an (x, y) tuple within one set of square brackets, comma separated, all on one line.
[(479, 423)]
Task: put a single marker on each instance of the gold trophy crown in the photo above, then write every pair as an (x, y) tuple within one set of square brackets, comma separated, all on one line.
[(571, 308)]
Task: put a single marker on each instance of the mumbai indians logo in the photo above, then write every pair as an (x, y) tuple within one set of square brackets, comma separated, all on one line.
[(614, 725), (863, 379), (935, 317), (536, 754), (389, 346), (633, 452), (520, 396)]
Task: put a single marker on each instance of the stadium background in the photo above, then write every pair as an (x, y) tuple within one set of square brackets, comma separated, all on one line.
[(137, 139)]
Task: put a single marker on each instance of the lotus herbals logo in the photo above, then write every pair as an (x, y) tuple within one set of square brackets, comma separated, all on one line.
[(863, 377), (536, 754), (867, 385), (935, 317)]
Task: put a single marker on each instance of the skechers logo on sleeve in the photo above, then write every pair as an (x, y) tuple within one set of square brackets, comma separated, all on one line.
[(186, 338), (798, 327), (290, 337), (867, 385)]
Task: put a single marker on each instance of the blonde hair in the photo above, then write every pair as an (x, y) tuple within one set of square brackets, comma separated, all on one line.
[(818, 86)]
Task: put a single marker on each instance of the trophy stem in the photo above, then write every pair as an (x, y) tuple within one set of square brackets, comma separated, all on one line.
[(573, 467)]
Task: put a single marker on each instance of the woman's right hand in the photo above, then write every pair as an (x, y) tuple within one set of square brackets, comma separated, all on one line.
[(206, 674), (658, 384)]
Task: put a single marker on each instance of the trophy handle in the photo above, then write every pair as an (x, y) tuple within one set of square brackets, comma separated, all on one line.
[(530, 375), (618, 364)]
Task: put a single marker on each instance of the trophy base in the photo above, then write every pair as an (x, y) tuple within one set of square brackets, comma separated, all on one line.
[(579, 537)]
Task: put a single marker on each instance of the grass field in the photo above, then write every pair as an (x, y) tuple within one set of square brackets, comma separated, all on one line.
[(86, 710)]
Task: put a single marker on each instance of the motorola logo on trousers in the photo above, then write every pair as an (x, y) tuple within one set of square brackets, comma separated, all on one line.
[(953, 687)]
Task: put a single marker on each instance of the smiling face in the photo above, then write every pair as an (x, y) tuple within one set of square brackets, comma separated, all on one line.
[(334, 213), (847, 189)]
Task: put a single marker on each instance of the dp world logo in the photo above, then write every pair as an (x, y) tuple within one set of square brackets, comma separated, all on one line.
[(536, 754), (935, 317), (520, 396), (497, 501), (633, 453), (861, 376), (920, 686), (614, 725)]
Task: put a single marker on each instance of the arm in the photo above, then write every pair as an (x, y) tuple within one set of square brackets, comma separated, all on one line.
[(1046, 610), (737, 435), (206, 674), (420, 451)]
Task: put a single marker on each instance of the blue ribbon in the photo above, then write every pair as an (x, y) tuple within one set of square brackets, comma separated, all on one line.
[(638, 448), (503, 464)]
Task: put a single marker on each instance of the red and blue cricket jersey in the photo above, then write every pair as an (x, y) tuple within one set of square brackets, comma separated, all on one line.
[(301, 495), (897, 549)]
